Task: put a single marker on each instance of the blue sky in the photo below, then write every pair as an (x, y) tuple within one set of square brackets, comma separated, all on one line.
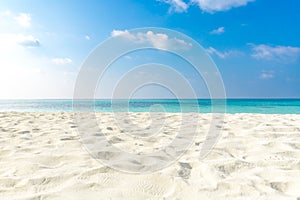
[(254, 43)]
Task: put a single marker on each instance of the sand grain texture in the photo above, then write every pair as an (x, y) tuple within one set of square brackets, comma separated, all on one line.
[(257, 157)]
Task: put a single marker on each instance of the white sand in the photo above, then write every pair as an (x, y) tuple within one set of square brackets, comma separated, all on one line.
[(257, 157)]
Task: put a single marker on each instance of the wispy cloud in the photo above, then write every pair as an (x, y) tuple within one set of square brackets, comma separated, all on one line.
[(28, 41), (224, 54), (23, 19), (266, 75), (212, 6), (218, 31), (61, 61), (10, 41), (284, 54), (157, 40), (176, 5), (87, 37)]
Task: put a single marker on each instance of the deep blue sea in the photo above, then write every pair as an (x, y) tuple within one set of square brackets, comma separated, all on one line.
[(265, 106)]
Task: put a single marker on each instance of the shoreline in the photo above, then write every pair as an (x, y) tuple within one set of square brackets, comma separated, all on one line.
[(109, 112)]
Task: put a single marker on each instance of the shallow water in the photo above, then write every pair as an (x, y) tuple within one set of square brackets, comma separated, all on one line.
[(264, 106)]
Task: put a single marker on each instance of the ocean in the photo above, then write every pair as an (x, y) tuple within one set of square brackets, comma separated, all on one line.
[(264, 106)]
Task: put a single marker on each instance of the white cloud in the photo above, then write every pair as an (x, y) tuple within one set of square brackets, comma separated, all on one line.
[(212, 6), (275, 53), (23, 19), (176, 5), (10, 41), (157, 40), (218, 31), (213, 51), (21, 67), (120, 33), (87, 37), (61, 61), (266, 75), (28, 41), (225, 54)]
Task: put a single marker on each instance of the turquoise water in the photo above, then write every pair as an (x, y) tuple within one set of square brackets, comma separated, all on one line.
[(265, 106)]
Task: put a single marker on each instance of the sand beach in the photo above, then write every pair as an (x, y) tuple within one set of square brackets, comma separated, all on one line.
[(256, 157)]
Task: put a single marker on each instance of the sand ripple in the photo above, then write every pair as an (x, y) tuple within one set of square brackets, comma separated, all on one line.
[(42, 157)]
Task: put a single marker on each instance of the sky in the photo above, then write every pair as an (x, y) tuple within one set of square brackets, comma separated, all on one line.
[(254, 43)]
